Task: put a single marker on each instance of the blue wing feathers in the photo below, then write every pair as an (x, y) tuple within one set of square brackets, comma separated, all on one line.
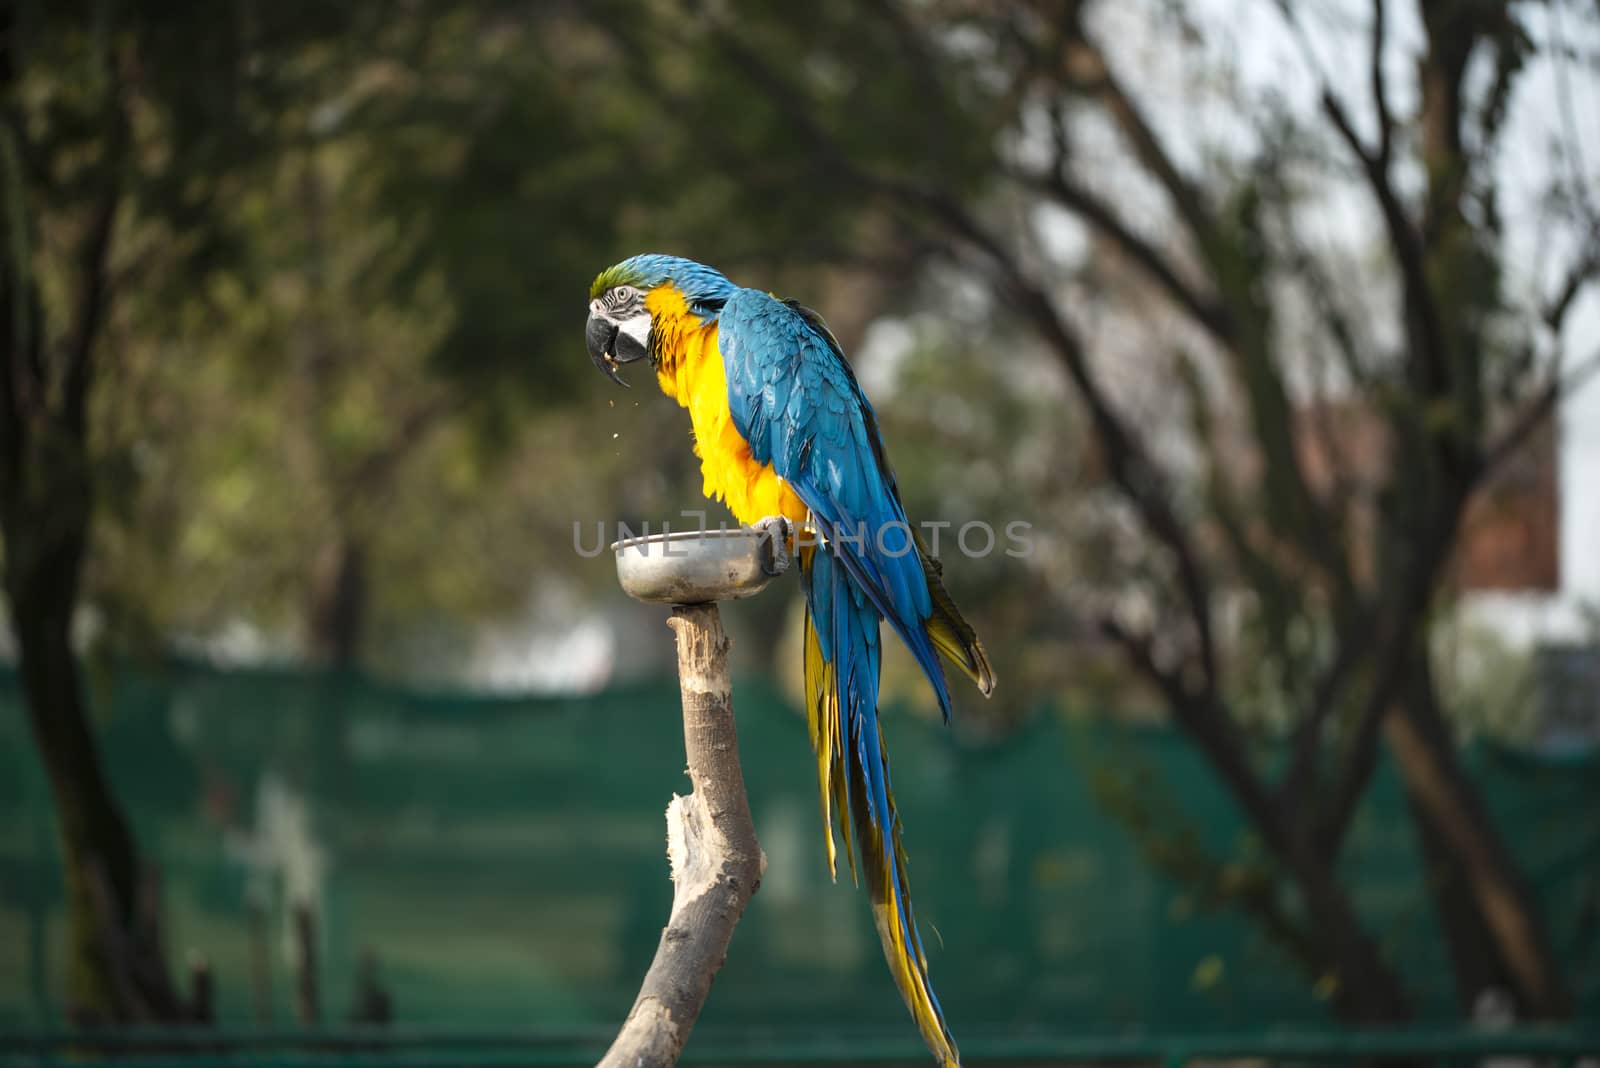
[(794, 399)]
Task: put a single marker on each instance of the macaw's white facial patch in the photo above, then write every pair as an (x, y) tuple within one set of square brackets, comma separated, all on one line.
[(632, 341), (637, 328)]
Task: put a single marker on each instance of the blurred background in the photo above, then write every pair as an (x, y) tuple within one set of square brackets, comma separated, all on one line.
[(1271, 322)]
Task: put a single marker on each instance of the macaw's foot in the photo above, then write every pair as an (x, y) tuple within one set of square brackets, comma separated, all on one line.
[(777, 534)]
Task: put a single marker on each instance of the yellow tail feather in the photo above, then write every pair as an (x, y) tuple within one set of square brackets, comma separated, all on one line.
[(822, 713), (883, 860), (891, 900)]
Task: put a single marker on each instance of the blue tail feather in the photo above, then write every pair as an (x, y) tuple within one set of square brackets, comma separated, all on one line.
[(847, 626)]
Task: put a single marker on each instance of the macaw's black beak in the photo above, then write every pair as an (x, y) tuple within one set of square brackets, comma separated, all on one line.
[(601, 337), (610, 346)]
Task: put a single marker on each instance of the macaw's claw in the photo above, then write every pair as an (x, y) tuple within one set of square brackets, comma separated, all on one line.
[(776, 533)]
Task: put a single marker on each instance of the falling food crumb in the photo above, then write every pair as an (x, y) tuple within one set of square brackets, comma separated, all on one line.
[(611, 404), (613, 436)]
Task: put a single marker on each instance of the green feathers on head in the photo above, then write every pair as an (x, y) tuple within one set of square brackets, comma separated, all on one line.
[(621, 274)]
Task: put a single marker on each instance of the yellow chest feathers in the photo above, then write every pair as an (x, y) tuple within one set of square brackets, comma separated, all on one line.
[(691, 372)]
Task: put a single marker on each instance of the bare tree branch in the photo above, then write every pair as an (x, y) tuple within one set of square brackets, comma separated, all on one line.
[(1380, 90), (1422, 314), (1205, 310), (1536, 412), (90, 310), (1353, 641), (19, 344), (1139, 649), (19, 330), (1360, 761), (1130, 467), (94, 253), (1087, 67), (1585, 269), (1320, 288), (1582, 186)]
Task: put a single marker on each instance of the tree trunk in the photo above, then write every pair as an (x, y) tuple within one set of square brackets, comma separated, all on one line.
[(1368, 990), (115, 972), (115, 969), (1474, 964), (339, 602), (1443, 797), (337, 623)]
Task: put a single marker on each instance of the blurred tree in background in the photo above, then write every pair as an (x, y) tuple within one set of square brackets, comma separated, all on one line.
[(291, 302), (115, 166)]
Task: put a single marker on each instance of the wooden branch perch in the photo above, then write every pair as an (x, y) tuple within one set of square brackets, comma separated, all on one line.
[(711, 841)]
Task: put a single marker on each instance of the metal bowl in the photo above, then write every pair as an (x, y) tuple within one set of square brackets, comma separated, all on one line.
[(696, 566)]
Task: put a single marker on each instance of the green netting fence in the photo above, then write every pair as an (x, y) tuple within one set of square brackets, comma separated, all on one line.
[(504, 858)]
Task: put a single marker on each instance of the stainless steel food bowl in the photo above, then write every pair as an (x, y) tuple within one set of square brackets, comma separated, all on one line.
[(696, 566)]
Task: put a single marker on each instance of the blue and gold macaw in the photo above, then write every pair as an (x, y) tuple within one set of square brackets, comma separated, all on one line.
[(782, 429)]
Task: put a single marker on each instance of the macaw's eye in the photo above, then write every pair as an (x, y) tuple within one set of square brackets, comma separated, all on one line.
[(623, 294)]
